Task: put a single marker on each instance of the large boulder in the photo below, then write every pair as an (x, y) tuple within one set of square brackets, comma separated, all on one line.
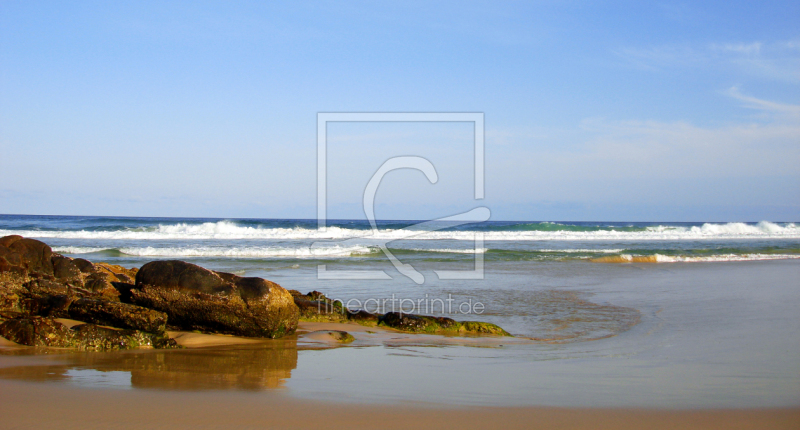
[(195, 298), (23, 259), (25, 256)]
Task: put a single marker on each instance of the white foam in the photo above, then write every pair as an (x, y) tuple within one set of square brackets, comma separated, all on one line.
[(722, 258), (712, 258), (229, 230), (452, 251), (582, 251), (232, 252), (77, 249)]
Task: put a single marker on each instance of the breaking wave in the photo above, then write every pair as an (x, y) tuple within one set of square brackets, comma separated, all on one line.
[(545, 231), (229, 252), (658, 258)]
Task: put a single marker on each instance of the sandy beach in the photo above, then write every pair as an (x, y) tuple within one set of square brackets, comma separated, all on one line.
[(30, 406), (34, 400), (44, 403)]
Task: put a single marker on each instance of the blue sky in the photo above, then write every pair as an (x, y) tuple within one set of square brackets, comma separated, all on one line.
[(612, 111)]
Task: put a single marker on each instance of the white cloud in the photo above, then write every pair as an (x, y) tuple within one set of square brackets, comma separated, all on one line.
[(665, 162), (764, 105), (774, 61), (740, 48)]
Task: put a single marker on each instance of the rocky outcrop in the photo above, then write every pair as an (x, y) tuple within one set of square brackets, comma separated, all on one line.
[(315, 307), (47, 332), (37, 285), (35, 282), (363, 317), (195, 298), (427, 324)]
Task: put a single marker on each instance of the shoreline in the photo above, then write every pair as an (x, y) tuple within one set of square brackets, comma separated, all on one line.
[(32, 405), (378, 373)]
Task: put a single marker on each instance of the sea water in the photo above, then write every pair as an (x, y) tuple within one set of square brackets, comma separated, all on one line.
[(619, 314)]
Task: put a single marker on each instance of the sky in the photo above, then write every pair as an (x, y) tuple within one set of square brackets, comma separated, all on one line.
[(593, 111)]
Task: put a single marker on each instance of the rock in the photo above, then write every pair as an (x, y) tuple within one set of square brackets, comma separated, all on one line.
[(331, 336), (315, 307), (363, 317), (341, 336), (12, 292), (65, 270), (406, 322), (85, 266), (195, 298), (42, 297), (22, 256), (182, 276), (98, 277), (10, 262), (120, 273), (120, 315), (318, 311), (6, 241), (37, 331), (102, 283), (483, 328), (124, 291), (316, 295), (90, 337), (427, 324)]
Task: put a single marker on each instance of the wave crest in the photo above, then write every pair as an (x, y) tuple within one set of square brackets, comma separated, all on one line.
[(229, 230)]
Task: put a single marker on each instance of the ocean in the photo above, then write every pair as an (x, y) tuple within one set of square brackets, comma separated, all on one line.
[(617, 314)]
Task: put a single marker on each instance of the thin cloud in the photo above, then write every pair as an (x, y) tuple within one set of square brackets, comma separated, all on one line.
[(740, 48), (764, 105), (775, 61)]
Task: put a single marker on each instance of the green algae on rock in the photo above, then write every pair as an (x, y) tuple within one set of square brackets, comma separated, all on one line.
[(437, 325), (315, 307)]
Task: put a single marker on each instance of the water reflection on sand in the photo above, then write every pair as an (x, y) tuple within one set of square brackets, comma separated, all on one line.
[(244, 367)]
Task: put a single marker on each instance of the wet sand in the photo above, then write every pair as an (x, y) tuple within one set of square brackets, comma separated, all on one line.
[(203, 387), (26, 405)]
